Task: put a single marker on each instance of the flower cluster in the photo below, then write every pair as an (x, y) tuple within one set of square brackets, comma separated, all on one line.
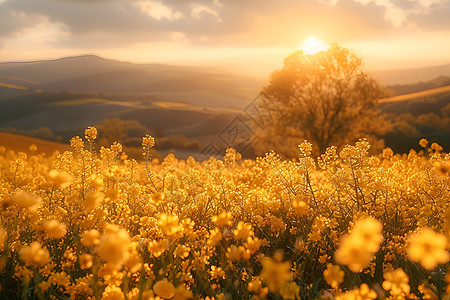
[(346, 225)]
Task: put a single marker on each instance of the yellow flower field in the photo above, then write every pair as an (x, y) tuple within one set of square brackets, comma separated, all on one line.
[(88, 224)]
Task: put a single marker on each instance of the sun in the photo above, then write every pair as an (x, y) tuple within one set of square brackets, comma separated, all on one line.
[(313, 45)]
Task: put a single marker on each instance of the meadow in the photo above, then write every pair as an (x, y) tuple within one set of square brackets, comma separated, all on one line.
[(88, 223)]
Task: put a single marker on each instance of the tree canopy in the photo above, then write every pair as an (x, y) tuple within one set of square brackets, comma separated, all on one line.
[(326, 98)]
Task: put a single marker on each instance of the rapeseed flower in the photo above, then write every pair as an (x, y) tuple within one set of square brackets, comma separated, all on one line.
[(223, 219), (164, 289), (113, 292), (27, 200), (60, 179), (168, 224), (428, 248), (157, 248), (34, 254), (396, 282), (275, 273), (214, 237), (333, 275), (357, 248), (85, 261), (243, 231), (113, 246), (54, 229), (90, 238)]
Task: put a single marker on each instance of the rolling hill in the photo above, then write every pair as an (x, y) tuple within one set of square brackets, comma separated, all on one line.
[(410, 76), (95, 75), (22, 143)]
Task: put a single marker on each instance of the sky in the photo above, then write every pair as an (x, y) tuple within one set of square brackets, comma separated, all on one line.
[(252, 36)]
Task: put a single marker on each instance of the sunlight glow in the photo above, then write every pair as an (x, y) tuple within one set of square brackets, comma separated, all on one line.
[(313, 45)]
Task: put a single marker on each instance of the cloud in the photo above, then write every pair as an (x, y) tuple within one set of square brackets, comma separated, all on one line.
[(199, 10), (158, 10), (436, 16), (225, 23)]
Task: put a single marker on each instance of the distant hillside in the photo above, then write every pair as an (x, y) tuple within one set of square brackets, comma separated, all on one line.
[(410, 76), (62, 115), (92, 74), (400, 89), (423, 102), (416, 115), (22, 143)]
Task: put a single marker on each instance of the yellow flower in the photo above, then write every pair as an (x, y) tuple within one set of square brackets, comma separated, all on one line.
[(34, 254), (77, 143), (157, 198), (43, 287), (436, 147), (90, 133), (223, 219), (90, 238), (333, 275), (217, 273), (54, 229), (275, 273), (396, 282), (113, 292), (427, 292), (164, 289), (363, 293), (423, 143), (243, 231), (351, 252), (93, 199), (300, 207), (223, 296), (238, 253), (357, 248), (60, 179), (168, 224), (187, 226), (158, 248), (369, 230), (181, 293), (182, 251), (148, 141), (253, 244), (97, 182), (290, 291), (214, 237), (61, 279), (305, 148), (428, 248), (255, 287), (116, 147), (114, 243), (134, 261), (85, 261), (26, 200)]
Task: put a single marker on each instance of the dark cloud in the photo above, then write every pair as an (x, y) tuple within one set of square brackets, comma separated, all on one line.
[(107, 23), (436, 18), (405, 4), (13, 21)]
